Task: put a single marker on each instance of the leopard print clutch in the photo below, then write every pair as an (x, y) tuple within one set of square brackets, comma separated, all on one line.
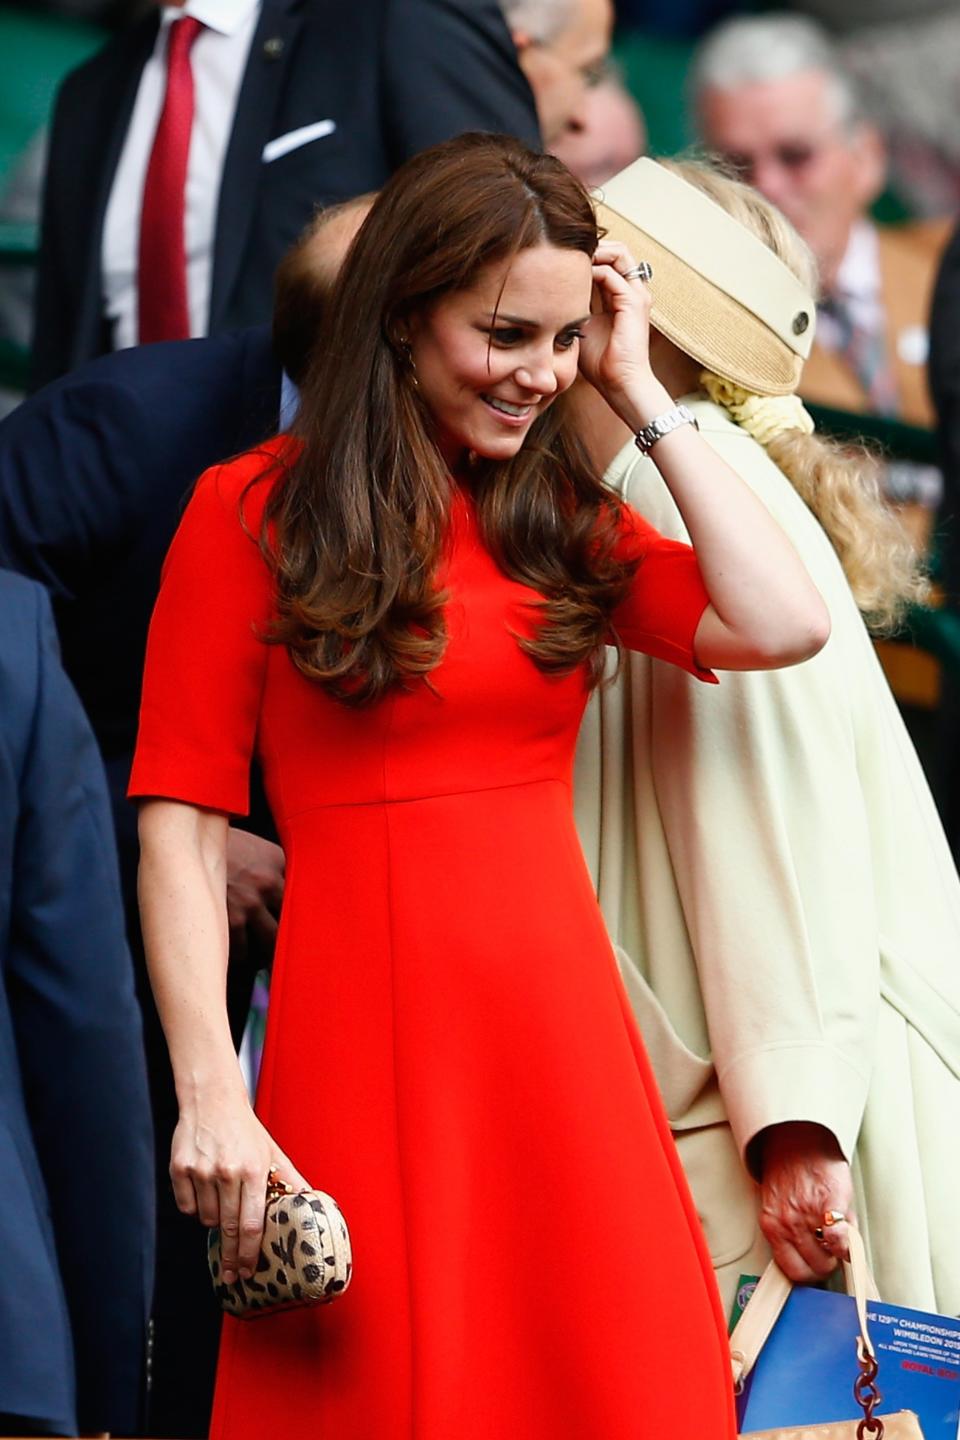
[(305, 1258)]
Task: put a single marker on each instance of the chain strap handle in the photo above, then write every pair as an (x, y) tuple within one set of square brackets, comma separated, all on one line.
[(865, 1390), (867, 1395)]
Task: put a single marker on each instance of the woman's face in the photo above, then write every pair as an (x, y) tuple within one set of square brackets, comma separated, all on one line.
[(490, 359)]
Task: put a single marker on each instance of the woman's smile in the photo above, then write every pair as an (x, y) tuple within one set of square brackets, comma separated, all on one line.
[(509, 410), (491, 358)]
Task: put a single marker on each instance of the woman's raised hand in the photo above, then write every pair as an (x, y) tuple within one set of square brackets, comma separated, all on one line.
[(219, 1164), (614, 350)]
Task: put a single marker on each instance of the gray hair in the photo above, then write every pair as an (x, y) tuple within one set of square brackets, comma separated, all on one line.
[(542, 20), (752, 49)]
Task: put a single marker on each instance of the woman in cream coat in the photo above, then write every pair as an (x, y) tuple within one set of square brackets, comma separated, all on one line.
[(767, 855)]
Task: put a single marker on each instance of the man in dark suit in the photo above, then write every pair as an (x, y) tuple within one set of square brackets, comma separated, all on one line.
[(76, 1152), (325, 103), (96, 467), (94, 472)]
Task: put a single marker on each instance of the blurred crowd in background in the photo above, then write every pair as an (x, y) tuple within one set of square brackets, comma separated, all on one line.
[(844, 113)]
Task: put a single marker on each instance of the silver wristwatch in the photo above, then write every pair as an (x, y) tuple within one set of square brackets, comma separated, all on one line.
[(662, 425)]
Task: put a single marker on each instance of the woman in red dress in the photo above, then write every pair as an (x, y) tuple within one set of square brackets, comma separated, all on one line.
[(401, 609)]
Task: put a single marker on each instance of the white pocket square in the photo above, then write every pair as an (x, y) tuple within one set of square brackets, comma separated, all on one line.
[(295, 138)]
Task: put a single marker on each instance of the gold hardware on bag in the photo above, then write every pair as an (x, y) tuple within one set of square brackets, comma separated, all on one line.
[(276, 1188)]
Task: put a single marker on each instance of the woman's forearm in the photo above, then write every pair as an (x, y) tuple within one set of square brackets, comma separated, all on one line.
[(221, 1154), (182, 887), (767, 611)]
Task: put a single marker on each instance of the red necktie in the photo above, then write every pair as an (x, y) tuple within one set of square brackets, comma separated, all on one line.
[(162, 265)]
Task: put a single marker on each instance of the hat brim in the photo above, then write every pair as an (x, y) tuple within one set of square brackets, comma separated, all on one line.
[(705, 323)]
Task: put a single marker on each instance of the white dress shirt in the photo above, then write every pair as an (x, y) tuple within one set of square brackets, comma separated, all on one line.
[(858, 288), (218, 59), (289, 401)]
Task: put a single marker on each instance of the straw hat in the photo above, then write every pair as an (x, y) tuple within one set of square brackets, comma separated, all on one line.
[(718, 292)]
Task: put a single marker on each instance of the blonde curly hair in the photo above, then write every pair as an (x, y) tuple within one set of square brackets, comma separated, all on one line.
[(840, 483)]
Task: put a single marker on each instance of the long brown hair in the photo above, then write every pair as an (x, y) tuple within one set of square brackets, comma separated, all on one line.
[(356, 525)]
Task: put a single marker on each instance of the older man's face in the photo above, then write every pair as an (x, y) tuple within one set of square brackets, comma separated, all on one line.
[(786, 138), (613, 135), (561, 71)]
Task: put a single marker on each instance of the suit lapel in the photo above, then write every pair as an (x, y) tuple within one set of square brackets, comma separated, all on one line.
[(271, 54), (116, 102), (906, 279)]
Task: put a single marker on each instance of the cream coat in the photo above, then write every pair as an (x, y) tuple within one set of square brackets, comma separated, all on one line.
[(787, 914)]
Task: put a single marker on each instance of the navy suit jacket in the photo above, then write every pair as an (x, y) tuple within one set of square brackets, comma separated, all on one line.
[(394, 76), (76, 1153), (94, 473)]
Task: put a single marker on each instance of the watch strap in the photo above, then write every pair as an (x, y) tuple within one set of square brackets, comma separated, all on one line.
[(662, 425)]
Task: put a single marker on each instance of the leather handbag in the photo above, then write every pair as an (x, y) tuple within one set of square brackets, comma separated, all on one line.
[(758, 1319), (903, 1426), (305, 1256)]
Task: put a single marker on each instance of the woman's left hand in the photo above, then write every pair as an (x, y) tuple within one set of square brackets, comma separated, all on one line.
[(615, 348), (804, 1175)]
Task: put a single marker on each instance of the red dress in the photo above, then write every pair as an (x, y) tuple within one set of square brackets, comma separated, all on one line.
[(449, 1048)]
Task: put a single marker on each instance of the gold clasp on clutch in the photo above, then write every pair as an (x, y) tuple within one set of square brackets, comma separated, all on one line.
[(276, 1188)]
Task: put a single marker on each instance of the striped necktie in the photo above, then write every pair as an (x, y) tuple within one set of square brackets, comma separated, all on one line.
[(865, 351)]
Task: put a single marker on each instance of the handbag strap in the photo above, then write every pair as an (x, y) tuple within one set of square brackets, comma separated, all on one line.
[(763, 1310), (860, 1283), (752, 1330)]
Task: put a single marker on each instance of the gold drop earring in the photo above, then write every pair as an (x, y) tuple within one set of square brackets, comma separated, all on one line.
[(406, 349)]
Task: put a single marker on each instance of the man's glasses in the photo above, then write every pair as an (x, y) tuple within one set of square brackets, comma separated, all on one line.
[(794, 156)]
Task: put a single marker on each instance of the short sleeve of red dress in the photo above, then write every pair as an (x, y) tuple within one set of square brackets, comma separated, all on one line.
[(667, 597), (206, 653)]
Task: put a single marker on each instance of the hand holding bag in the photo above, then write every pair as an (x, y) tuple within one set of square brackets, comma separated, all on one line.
[(756, 1323), (305, 1256)]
